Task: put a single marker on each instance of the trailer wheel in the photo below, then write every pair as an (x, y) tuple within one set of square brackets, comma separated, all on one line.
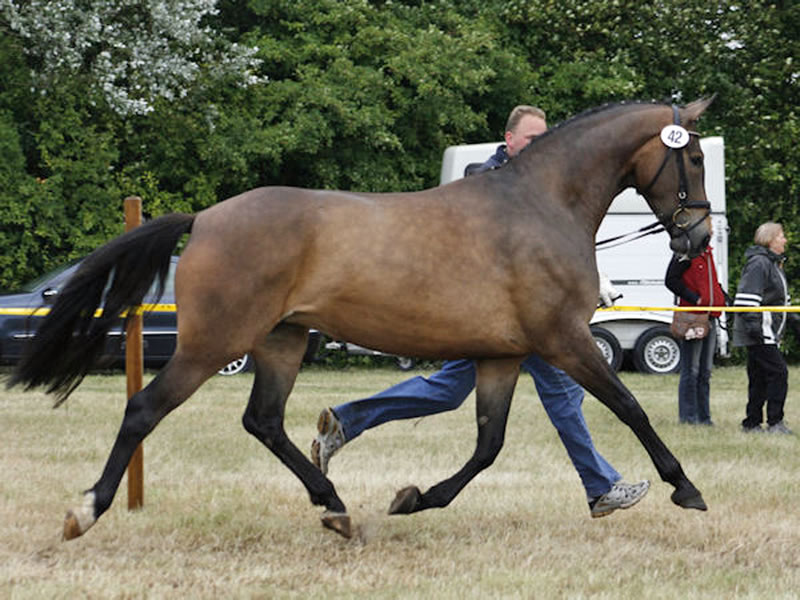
[(609, 346), (657, 352)]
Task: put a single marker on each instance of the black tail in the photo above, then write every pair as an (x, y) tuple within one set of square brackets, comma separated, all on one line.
[(71, 339)]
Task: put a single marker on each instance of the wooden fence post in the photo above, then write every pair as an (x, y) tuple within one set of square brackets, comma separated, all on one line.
[(134, 368)]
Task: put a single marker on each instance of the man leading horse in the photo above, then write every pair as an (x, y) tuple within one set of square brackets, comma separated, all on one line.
[(448, 388)]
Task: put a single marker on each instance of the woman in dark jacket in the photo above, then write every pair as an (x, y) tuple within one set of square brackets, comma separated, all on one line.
[(764, 283), (695, 283)]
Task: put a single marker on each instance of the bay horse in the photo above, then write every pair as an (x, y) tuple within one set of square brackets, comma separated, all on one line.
[(493, 267)]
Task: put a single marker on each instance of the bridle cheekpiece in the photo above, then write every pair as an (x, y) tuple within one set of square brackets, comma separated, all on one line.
[(676, 138)]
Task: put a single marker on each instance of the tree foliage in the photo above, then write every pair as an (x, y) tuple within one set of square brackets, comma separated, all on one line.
[(131, 52)]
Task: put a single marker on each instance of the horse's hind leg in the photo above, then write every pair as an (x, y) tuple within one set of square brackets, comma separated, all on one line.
[(277, 362), (145, 409), (588, 367), (495, 382)]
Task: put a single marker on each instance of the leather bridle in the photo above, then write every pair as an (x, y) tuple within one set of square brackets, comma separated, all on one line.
[(680, 224)]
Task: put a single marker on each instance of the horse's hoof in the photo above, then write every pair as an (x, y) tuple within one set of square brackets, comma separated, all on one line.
[(338, 522), (72, 528), (689, 498), (80, 519), (406, 501)]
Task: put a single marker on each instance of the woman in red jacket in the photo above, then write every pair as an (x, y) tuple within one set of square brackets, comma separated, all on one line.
[(695, 283)]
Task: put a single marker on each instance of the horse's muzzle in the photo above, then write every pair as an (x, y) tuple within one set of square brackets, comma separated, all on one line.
[(683, 246)]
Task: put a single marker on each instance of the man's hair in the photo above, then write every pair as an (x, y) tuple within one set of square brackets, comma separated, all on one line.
[(520, 111), (767, 232)]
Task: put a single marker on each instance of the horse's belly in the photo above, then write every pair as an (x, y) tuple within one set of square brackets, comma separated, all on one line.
[(413, 330)]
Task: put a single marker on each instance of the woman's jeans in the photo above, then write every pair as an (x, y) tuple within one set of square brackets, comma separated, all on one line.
[(697, 360)]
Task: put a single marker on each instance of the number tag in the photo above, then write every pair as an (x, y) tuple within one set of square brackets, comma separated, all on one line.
[(674, 136)]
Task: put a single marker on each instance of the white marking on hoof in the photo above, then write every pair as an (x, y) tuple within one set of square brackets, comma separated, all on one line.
[(80, 519)]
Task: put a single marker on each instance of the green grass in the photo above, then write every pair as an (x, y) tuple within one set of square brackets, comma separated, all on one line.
[(224, 519)]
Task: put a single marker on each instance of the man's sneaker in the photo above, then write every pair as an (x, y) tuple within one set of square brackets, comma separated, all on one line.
[(753, 429), (621, 495), (779, 427), (328, 441)]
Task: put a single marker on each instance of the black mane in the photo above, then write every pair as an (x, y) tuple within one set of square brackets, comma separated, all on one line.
[(590, 113)]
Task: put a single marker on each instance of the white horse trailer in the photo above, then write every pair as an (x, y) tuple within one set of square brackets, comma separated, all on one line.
[(636, 268)]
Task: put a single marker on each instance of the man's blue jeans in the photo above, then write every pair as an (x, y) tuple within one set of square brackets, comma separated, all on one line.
[(448, 388), (697, 360)]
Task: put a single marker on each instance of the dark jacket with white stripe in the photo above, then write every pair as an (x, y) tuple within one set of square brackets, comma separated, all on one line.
[(762, 284)]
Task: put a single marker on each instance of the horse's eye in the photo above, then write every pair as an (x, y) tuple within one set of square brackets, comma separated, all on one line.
[(697, 160)]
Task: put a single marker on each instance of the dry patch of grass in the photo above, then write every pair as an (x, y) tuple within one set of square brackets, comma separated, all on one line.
[(223, 518)]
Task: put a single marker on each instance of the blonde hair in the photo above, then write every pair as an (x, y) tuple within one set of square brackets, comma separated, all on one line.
[(767, 232), (520, 111)]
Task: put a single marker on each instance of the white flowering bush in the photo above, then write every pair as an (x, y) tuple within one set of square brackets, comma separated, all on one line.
[(134, 51)]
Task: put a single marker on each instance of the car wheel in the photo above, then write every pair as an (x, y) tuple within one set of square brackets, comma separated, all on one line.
[(657, 352), (405, 363), (240, 365), (609, 345)]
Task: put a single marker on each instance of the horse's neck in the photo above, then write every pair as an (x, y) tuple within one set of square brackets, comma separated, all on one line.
[(589, 163)]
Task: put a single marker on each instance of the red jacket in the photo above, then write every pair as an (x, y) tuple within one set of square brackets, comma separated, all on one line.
[(689, 281)]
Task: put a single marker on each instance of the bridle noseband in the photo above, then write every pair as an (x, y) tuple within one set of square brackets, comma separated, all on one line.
[(679, 224)]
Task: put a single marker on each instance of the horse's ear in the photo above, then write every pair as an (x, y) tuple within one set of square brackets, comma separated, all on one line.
[(692, 111)]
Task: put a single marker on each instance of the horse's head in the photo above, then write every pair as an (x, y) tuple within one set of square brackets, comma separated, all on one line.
[(669, 174)]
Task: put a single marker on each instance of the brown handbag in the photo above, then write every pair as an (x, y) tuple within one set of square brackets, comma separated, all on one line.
[(689, 325)]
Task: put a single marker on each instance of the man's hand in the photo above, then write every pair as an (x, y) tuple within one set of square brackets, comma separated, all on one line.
[(608, 293)]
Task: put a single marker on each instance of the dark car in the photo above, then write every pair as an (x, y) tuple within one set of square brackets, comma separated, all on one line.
[(23, 310)]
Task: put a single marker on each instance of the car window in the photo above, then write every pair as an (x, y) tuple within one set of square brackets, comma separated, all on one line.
[(169, 287), (55, 278), (59, 276)]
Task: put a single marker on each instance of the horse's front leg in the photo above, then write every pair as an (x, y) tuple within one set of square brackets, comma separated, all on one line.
[(589, 368), (277, 362), (495, 382)]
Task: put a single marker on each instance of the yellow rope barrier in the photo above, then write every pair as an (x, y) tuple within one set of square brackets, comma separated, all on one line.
[(701, 308), (172, 308)]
